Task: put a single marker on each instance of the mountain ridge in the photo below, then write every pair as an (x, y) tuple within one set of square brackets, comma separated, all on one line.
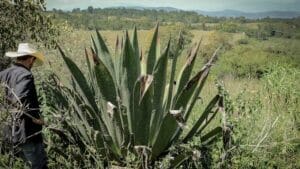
[(226, 12), (250, 15), (222, 13)]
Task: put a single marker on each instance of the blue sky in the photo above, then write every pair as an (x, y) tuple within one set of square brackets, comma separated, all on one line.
[(207, 5)]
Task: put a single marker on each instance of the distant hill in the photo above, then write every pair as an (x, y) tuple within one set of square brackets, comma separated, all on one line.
[(225, 13), (228, 13), (168, 9), (256, 15)]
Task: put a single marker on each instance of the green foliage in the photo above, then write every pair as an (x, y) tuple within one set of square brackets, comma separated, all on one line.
[(243, 41), (265, 115), (228, 27), (252, 59), (283, 90), (18, 163), (126, 109), (23, 21), (266, 133), (265, 30), (122, 18)]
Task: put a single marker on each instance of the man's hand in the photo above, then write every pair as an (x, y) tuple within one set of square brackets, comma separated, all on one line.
[(39, 121)]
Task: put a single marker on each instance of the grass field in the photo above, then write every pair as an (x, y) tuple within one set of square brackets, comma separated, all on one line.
[(265, 134), (261, 77)]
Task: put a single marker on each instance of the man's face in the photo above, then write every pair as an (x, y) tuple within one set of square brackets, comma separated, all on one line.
[(31, 62)]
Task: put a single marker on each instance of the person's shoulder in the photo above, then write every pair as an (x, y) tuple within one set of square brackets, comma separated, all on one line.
[(4, 73), (20, 70), (21, 73), (16, 72)]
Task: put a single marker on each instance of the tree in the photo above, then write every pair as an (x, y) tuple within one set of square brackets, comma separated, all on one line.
[(90, 9), (23, 20), (76, 10)]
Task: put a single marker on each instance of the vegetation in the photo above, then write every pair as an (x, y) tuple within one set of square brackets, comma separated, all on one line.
[(23, 21), (126, 111), (257, 75), (122, 18), (273, 140), (126, 18)]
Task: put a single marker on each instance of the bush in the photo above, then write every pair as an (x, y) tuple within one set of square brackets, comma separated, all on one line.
[(266, 121), (243, 41)]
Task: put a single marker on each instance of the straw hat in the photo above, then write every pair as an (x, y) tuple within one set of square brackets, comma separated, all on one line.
[(27, 49)]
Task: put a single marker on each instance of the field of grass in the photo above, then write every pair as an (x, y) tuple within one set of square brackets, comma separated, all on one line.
[(260, 76), (266, 135)]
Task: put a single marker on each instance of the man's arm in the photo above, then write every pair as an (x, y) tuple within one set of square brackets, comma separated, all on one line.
[(25, 90)]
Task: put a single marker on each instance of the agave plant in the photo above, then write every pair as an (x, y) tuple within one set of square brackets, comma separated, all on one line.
[(127, 104)]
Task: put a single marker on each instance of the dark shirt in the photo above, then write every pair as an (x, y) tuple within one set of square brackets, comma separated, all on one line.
[(21, 80)]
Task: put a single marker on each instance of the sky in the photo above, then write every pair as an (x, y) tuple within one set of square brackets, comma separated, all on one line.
[(206, 5)]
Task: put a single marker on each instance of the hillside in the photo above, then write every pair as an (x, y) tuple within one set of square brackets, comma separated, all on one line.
[(145, 18), (254, 15)]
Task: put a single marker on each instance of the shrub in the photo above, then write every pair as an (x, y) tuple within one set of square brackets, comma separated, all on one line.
[(243, 41), (265, 120)]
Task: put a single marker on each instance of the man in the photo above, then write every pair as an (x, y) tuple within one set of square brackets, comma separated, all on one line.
[(21, 90)]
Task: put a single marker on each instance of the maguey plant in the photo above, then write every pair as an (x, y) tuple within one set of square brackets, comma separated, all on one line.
[(126, 105)]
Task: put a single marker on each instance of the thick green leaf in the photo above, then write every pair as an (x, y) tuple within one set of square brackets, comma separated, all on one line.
[(91, 74), (126, 97), (100, 145), (118, 60), (154, 52), (107, 88), (186, 71), (126, 130), (202, 80), (103, 53), (135, 43), (115, 149), (142, 109), (210, 136), (81, 80), (160, 76), (101, 46), (113, 122), (188, 98), (200, 121), (185, 95), (129, 73), (207, 121), (88, 63), (172, 77), (89, 97), (165, 134), (131, 64), (106, 83), (170, 129)]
